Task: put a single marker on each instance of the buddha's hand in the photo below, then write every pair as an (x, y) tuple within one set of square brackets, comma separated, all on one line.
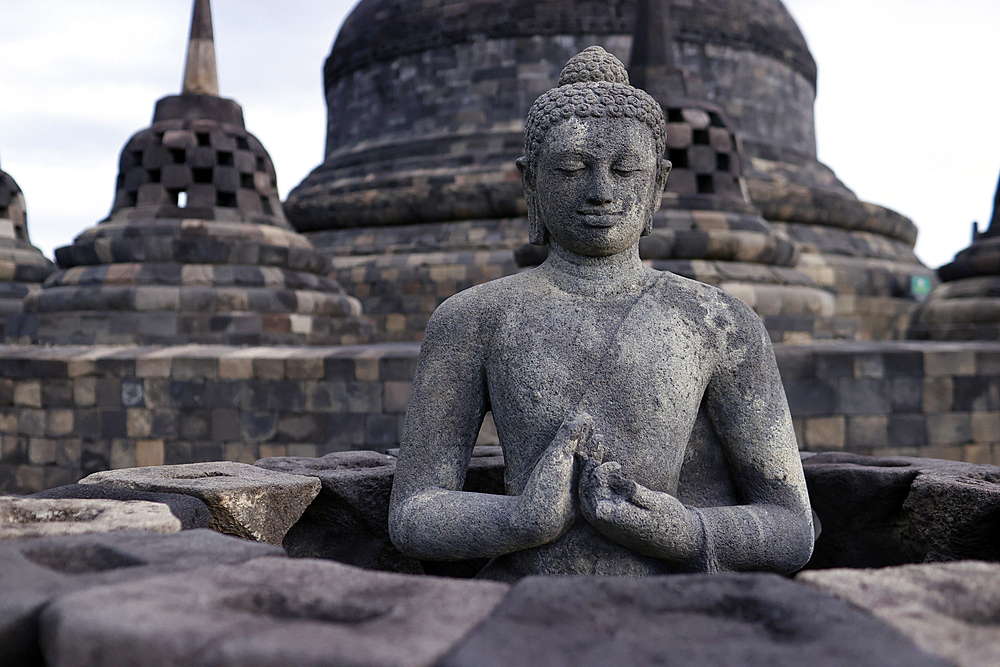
[(648, 522), (549, 505)]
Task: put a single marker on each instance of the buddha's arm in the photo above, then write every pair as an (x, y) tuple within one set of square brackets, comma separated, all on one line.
[(429, 516), (772, 531)]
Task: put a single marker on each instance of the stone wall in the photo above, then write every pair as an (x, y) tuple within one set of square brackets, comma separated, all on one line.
[(69, 411)]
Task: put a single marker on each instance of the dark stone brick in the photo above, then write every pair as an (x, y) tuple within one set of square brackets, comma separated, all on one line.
[(287, 395), (798, 365), (258, 426), (188, 394), (195, 424), (380, 430), (87, 423), (94, 457), (338, 369), (301, 427), (345, 429), (55, 394), (907, 430), (836, 365), (165, 424), (906, 394), (133, 393), (178, 451), (109, 393), (863, 396), (222, 393), (903, 363), (225, 424), (254, 395), (114, 424), (972, 393), (811, 397)]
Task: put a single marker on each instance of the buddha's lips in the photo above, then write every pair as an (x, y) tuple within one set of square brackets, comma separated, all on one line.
[(595, 218)]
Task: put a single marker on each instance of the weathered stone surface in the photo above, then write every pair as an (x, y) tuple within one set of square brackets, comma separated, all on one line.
[(894, 510), (726, 619), (34, 517), (244, 500), (36, 571), (949, 609), (348, 520), (191, 512), (267, 612)]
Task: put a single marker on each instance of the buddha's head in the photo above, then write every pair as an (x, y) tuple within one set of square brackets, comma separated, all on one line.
[(593, 171)]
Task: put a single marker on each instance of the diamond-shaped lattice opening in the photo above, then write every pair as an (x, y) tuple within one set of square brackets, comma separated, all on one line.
[(242, 144), (131, 198), (246, 181), (227, 199), (705, 184), (136, 158), (722, 161), (225, 158), (204, 138), (701, 137), (154, 175), (202, 174), (675, 116), (265, 203), (715, 120), (260, 164), (177, 155), (678, 157)]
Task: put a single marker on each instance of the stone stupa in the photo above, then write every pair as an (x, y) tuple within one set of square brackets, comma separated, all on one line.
[(23, 267), (196, 248), (418, 196), (966, 305)]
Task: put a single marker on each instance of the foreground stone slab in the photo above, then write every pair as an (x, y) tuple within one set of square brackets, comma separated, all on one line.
[(268, 611), (191, 512), (949, 609), (35, 517), (35, 571), (244, 500), (882, 511), (724, 619)]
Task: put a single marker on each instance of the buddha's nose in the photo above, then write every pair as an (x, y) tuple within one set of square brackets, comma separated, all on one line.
[(599, 190)]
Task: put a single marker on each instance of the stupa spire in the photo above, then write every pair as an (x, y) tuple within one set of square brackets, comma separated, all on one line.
[(200, 74), (651, 64)]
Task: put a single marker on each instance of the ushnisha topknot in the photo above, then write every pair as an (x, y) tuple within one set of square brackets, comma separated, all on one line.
[(593, 83)]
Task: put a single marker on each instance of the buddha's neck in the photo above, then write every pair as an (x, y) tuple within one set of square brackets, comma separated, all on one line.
[(595, 276)]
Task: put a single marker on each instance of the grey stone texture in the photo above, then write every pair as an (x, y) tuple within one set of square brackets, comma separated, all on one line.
[(726, 619), (948, 609), (425, 104), (877, 512), (196, 248), (23, 268), (36, 517), (267, 612), (244, 500), (191, 512), (34, 572), (966, 306), (579, 359), (348, 520)]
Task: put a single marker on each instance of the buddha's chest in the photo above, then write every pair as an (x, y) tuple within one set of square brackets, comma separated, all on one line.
[(640, 375)]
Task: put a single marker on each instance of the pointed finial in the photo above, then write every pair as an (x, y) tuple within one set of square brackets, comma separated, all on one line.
[(651, 64), (995, 218), (200, 76)]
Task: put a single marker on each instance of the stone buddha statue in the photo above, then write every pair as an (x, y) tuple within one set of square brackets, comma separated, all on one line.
[(642, 418)]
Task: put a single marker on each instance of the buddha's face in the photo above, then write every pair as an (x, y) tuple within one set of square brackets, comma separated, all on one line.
[(597, 182)]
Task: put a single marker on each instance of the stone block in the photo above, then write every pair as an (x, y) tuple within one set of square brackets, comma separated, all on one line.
[(41, 451), (986, 427), (34, 572), (36, 517), (269, 611), (364, 396), (907, 431), (396, 396), (906, 394), (948, 609), (948, 362), (825, 432), (938, 394), (28, 393), (244, 500), (225, 424), (862, 396), (808, 398), (867, 431), (138, 422), (721, 619), (349, 520), (191, 512), (149, 453), (59, 421), (949, 429), (85, 392), (869, 365)]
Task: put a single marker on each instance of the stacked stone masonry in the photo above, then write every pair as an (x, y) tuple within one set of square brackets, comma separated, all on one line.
[(66, 412)]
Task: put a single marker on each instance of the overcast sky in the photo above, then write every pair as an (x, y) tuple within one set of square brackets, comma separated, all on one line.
[(907, 112)]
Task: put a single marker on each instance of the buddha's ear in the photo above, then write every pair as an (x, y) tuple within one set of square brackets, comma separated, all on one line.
[(537, 233), (662, 170)]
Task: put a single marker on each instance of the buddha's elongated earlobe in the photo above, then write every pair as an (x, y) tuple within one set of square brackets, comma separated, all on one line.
[(537, 233), (662, 170)]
